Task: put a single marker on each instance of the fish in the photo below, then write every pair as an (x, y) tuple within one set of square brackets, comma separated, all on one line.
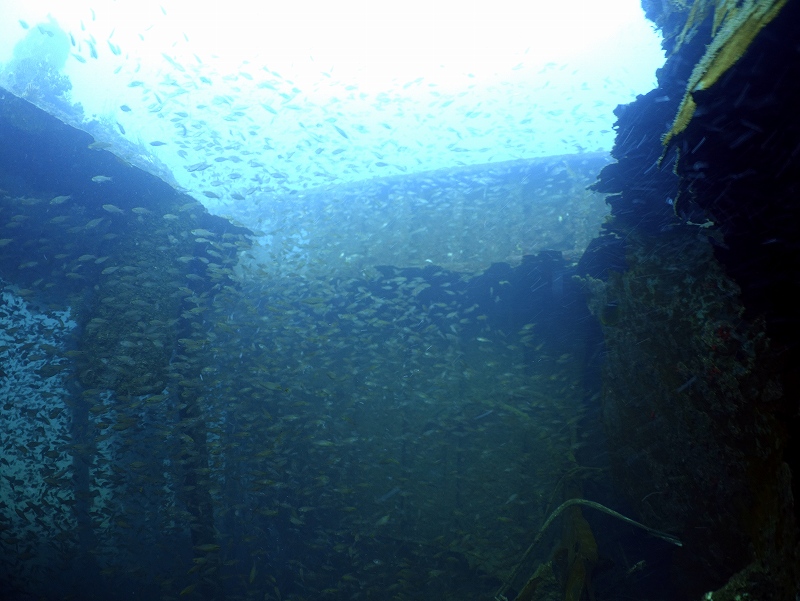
[(101, 179), (207, 548), (157, 143), (389, 495), (173, 62), (113, 209), (125, 108)]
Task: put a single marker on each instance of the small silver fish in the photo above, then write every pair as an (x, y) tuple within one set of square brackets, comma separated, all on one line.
[(101, 179)]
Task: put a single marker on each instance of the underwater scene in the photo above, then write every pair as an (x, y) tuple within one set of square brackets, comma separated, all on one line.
[(276, 328)]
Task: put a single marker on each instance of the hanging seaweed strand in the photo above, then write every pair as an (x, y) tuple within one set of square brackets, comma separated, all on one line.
[(500, 596)]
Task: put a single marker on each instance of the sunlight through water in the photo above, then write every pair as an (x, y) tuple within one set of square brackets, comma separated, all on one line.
[(313, 93)]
